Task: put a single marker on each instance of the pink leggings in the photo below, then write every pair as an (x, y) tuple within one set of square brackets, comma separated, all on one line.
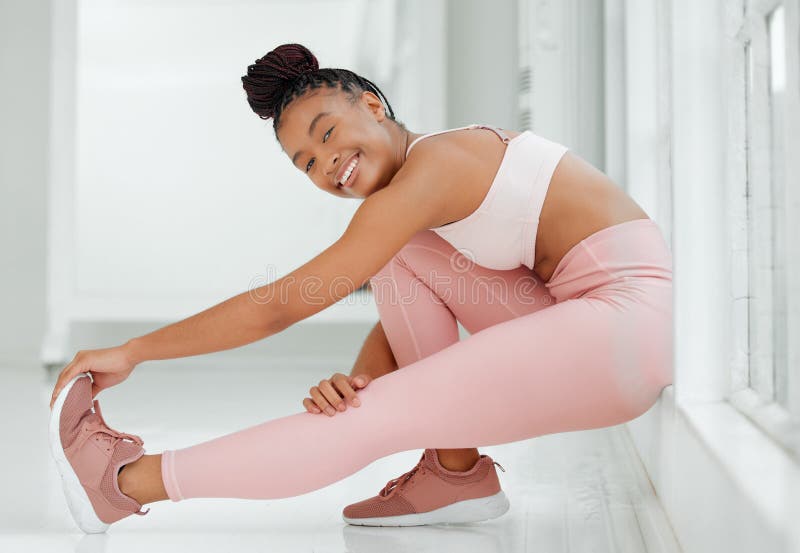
[(590, 348)]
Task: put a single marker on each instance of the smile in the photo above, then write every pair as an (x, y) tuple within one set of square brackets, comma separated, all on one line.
[(350, 174)]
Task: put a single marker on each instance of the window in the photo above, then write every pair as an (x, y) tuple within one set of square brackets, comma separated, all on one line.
[(765, 380)]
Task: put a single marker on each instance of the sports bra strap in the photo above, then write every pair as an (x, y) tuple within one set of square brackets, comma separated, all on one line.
[(500, 132)]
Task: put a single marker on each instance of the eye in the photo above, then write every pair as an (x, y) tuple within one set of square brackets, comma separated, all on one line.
[(324, 140)]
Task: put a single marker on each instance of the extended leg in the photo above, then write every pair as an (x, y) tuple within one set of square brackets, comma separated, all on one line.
[(589, 362)]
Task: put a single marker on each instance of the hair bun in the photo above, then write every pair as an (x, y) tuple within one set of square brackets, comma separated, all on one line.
[(296, 58), (268, 78)]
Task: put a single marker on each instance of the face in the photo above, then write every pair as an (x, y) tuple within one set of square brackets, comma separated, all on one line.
[(324, 146)]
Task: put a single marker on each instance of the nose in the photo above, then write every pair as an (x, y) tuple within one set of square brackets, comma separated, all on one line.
[(331, 172)]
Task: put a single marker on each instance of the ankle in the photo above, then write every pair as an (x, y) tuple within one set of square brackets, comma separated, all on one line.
[(458, 460), (127, 478), (142, 480)]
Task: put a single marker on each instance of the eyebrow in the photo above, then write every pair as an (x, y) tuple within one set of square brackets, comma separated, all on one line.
[(311, 127)]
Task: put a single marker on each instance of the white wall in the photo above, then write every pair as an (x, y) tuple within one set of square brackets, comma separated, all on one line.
[(482, 63), (168, 194), (24, 111), (180, 189), (561, 51)]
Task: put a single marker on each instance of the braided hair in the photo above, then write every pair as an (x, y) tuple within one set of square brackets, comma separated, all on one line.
[(289, 71)]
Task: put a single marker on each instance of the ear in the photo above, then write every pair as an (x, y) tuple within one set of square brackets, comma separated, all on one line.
[(374, 105)]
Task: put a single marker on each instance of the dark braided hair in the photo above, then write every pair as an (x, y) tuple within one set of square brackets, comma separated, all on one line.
[(289, 71)]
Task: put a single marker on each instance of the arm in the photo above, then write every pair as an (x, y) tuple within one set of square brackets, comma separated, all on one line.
[(375, 358), (235, 322), (382, 224)]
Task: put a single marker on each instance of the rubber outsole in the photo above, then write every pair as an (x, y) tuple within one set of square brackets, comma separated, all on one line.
[(468, 510), (77, 499)]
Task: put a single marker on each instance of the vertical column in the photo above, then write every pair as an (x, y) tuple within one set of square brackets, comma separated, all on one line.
[(61, 182), (699, 245)]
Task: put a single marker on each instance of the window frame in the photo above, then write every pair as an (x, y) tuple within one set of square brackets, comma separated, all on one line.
[(751, 222)]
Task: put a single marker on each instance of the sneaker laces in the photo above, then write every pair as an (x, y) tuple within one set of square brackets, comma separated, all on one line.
[(396, 483), (95, 427), (108, 435)]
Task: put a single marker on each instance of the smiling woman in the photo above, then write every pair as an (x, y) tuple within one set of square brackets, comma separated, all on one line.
[(586, 347), (327, 103)]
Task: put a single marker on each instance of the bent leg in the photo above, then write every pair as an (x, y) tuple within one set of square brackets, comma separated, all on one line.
[(584, 363), (429, 285)]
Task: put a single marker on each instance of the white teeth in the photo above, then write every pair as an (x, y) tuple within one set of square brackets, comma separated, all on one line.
[(349, 171)]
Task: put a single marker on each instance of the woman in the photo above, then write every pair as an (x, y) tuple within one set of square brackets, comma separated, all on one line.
[(563, 281)]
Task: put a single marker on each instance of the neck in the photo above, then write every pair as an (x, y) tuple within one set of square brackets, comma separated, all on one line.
[(408, 139)]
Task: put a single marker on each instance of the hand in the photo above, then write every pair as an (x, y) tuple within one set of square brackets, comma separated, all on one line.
[(327, 395), (108, 366)]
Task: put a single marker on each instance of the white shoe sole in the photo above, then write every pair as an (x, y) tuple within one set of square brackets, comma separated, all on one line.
[(469, 510), (77, 499)]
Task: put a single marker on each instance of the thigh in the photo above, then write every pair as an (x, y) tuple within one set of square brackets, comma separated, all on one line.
[(580, 364), (477, 296)]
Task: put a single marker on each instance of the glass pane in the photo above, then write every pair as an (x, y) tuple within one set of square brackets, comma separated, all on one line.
[(760, 239), (777, 86)]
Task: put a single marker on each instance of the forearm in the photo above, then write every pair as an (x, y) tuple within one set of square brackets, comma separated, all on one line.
[(376, 357), (235, 322)]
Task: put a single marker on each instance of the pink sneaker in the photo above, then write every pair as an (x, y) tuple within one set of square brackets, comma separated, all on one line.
[(89, 454), (432, 494)]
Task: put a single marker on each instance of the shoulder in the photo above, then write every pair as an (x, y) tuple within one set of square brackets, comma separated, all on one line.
[(419, 193), (453, 171)]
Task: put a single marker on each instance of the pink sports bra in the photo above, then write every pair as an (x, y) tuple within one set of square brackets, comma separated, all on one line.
[(501, 232)]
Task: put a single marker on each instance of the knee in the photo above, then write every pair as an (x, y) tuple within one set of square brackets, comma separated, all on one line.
[(406, 256)]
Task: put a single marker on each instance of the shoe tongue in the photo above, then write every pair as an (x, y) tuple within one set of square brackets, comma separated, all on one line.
[(91, 416), (126, 452)]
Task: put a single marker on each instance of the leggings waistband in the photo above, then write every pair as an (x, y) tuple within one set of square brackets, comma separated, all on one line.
[(632, 249)]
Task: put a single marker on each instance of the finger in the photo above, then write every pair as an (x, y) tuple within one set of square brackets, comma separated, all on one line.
[(315, 398), (321, 402), (361, 380), (343, 385), (67, 375), (308, 403), (331, 395), (62, 379)]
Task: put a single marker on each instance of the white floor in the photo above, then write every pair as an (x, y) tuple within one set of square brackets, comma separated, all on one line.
[(576, 492)]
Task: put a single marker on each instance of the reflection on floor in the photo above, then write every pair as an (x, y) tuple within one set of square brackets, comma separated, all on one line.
[(576, 492)]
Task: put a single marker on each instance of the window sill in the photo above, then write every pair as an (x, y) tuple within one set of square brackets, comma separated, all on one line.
[(767, 475), (772, 418), (724, 483)]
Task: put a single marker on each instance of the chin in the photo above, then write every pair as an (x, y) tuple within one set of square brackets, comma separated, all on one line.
[(352, 192)]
